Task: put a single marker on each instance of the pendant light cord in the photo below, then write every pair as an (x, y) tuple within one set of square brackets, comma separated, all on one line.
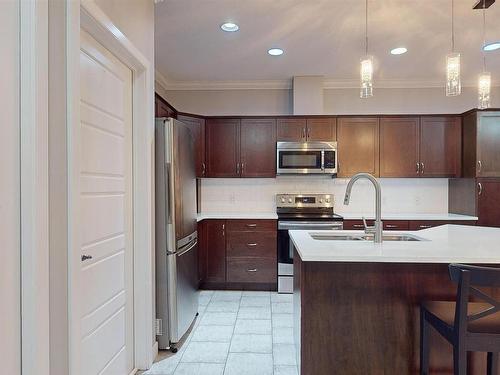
[(452, 27), (366, 27), (484, 35)]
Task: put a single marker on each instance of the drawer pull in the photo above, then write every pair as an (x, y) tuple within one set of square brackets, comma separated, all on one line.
[(252, 244), (252, 270), (358, 226), (424, 226), (251, 225), (392, 226)]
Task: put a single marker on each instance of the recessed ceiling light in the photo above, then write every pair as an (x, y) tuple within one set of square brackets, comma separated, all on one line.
[(491, 46), (398, 51), (229, 27), (275, 51)]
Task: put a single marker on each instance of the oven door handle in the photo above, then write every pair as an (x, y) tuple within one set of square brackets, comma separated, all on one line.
[(317, 225)]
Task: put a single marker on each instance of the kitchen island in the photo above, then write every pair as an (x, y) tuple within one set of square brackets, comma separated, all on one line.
[(356, 303)]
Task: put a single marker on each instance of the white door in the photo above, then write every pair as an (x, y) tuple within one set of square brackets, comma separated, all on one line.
[(106, 212)]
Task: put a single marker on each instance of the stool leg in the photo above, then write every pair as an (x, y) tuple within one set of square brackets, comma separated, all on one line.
[(424, 344), (492, 364), (459, 359)]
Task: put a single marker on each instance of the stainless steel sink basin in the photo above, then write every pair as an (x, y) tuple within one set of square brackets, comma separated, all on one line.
[(364, 237)]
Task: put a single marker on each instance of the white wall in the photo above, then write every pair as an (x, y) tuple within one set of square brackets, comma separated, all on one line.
[(10, 309), (224, 195), (336, 101)]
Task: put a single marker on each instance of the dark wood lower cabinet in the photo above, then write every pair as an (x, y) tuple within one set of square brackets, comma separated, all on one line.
[(238, 254), (405, 224), (425, 224)]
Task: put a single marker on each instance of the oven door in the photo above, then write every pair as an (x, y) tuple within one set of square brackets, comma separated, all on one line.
[(299, 161)]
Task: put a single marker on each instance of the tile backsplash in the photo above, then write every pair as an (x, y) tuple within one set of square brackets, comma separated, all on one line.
[(399, 195)]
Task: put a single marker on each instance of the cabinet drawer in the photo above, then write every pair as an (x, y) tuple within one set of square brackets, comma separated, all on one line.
[(395, 225), (424, 224), (252, 244), (356, 224), (251, 270), (251, 225)]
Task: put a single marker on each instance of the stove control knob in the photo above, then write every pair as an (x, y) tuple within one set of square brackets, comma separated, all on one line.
[(327, 200), (289, 200), (283, 200), (320, 200)]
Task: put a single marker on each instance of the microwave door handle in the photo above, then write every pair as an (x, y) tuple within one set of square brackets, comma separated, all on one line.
[(323, 160)]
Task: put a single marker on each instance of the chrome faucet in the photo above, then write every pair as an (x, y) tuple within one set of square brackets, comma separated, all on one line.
[(377, 228)]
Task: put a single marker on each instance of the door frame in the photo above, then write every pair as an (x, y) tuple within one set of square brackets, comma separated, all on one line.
[(89, 17)]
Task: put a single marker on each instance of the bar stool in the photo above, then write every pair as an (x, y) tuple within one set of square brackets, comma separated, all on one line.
[(468, 326)]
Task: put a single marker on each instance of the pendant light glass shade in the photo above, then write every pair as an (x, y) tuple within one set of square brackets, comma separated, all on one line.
[(366, 77), (453, 84), (484, 85)]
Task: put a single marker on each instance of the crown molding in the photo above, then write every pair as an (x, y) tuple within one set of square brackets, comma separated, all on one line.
[(286, 84)]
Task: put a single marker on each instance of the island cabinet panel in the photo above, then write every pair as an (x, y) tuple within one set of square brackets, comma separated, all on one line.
[(387, 224), (425, 224), (197, 127), (222, 147), (322, 129), (213, 244), (258, 148), (363, 318), (488, 198), (440, 146), (358, 145), (399, 147), (292, 129)]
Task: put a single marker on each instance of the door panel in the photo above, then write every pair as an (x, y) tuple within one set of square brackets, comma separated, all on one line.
[(321, 129), (258, 148), (440, 146), (222, 138), (399, 146), (106, 211), (197, 127), (358, 145), (291, 129), (215, 250), (488, 193), (488, 145)]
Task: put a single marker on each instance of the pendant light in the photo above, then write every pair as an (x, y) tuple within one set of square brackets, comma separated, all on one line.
[(366, 73), (453, 84), (484, 82)]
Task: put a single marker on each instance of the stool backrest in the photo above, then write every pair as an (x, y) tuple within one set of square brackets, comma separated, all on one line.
[(467, 277)]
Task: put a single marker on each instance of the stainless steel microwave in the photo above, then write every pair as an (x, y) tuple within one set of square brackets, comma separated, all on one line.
[(306, 158)]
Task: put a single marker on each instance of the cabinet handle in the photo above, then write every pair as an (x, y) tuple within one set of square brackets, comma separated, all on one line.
[(480, 188), (203, 169), (308, 133), (252, 270), (237, 168), (223, 229), (358, 226), (392, 226), (252, 244), (479, 166), (422, 169), (418, 168), (251, 225), (304, 134), (424, 226), (242, 167)]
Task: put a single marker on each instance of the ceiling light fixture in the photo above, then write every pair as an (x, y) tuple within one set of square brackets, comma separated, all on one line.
[(366, 72), (229, 27), (275, 51), (492, 46), (398, 51), (453, 83), (484, 81)]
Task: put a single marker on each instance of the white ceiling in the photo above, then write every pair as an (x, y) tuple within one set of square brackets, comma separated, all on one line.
[(320, 37)]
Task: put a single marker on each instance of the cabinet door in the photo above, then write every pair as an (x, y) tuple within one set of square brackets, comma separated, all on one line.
[(258, 148), (222, 147), (358, 145), (321, 129), (488, 145), (292, 129), (215, 245), (162, 109), (488, 196), (440, 146), (197, 127), (399, 147)]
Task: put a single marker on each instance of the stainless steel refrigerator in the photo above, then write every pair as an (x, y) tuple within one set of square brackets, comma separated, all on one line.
[(176, 235)]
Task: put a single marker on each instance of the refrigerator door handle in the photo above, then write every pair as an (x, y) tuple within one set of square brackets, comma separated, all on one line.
[(187, 248), (168, 168)]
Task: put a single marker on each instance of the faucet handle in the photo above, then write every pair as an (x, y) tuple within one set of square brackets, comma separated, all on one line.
[(368, 229)]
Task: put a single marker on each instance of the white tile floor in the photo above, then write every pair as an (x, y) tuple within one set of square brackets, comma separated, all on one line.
[(237, 333)]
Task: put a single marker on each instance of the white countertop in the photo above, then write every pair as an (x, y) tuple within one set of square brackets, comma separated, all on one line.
[(446, 244), (272, 215)]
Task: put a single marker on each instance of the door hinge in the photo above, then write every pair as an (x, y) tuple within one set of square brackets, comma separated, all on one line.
[(159, 327)]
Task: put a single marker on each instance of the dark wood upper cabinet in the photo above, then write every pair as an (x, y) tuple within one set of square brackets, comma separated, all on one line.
[(197, 127), (399, 147), (481, 142), (214, 232), (292, 129), (358, 145), (440, 146), (321, 129), (162, 109), (258, 148), (222, 147)]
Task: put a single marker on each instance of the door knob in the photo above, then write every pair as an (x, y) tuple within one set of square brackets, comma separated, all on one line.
[(86, 257)]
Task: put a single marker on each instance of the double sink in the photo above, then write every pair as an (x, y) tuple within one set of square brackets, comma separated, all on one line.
[(339, 236)]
